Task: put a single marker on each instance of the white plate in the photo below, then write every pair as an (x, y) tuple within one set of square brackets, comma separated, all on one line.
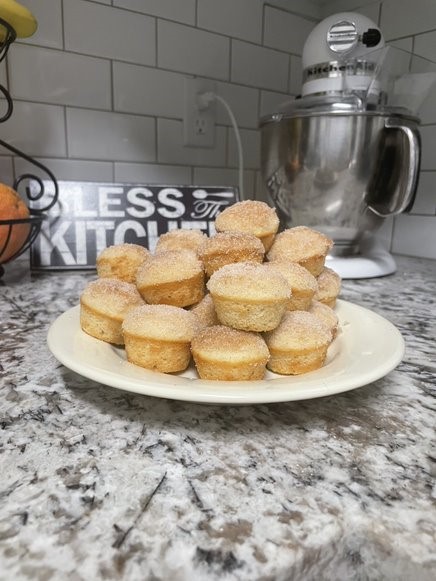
[(366, 349)]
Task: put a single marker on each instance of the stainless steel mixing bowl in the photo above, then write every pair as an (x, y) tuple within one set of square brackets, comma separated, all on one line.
[(338, 168)]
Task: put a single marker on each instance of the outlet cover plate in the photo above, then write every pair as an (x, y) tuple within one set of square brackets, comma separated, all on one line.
[(198, 124)]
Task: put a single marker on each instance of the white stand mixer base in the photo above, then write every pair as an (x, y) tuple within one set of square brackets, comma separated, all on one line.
[(373, 261)]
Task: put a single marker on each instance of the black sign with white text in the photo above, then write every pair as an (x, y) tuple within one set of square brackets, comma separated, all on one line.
[(89, 217)]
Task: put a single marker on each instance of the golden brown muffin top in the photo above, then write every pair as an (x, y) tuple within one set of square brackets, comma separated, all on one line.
[(324, 313), (110, 296), (250, 281), (161, 323), (299, 243), (229, 345), (298, 277), (180, 240), (250, 216), (329, 284), (298, 330), (169, 266), (229, 243), (205, 312), (124, 251)]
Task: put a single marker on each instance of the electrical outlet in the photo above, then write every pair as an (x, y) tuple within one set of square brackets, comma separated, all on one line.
[(198, 122)]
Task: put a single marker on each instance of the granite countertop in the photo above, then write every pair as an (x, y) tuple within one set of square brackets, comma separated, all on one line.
[(101, 484)]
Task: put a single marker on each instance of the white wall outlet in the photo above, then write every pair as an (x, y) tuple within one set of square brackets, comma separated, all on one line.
[(198, 119)]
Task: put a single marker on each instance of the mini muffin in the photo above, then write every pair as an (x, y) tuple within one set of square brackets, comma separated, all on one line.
[(303, 245), (172, 277), (103, 306), (303, 285), (299, 344), (205, 312), (181, 240), (329, 287), (158, 337), (229, 247), (327, 315), (252, 217), (121, 261), (249, 296), (227, 354)]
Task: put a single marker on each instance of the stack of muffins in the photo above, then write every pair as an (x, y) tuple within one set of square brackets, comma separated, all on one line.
[(238, 302)]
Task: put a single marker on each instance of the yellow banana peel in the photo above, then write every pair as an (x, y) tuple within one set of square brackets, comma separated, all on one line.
[(17, 16)]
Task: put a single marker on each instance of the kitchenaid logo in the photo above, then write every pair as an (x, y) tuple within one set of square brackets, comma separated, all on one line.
[(89, 217)]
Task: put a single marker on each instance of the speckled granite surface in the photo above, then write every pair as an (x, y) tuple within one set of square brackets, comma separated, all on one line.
[(99, 484)]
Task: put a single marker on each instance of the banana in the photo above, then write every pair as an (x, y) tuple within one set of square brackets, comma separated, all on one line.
[(17, 16)]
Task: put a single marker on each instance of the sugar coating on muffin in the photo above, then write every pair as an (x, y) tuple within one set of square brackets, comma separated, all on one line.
[(172, 277), (299, 344), (121, 261), (222, 353), (230, 247), (303, 245), (325, 314), (329, 287), (249, 296), (181, 240), (252, 217), (303, 285), (205, 312), (103, 305), (158, 337)]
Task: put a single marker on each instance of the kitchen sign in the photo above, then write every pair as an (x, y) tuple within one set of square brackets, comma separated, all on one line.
[(88, 217)]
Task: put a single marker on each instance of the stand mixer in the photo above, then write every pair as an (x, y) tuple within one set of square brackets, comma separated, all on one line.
[(346, 154)]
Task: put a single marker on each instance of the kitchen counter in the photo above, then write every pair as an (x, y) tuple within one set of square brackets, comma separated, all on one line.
[(101, 484)]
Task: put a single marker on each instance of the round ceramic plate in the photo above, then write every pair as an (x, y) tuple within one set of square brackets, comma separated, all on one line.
[(366, 348)]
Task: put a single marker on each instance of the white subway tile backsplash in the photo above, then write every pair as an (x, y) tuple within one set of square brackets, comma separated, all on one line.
[(147, 173), (371, 11), (261, 67), (179, 10), (415, 236), (425, 44), (189, 50), (206, 176), (428, 136), (286, 32), (101, 135), (147, 90), (243, 101), (425, 201), (36, 129), (171, 149), (6, 171), (100, 30), (295, 75), (240, 19), (68, 169), (303, 7), (251, 148), (48, 14), (269, 102), (406, 17), (59, 77)]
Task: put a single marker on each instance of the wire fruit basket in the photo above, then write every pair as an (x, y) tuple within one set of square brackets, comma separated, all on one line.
[(18, 234)]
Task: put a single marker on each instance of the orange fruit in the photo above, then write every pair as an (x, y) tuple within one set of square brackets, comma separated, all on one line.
[(12, 207)]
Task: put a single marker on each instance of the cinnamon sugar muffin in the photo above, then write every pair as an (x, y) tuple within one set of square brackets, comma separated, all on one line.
[(303, 285), (172, 277), (299, 344), (121, 261), (249, 296), (103, 306), (325, 314), (205, 312), (158, 337), (222, 353), (329, 287), (229, 247), (303, 245), (252, 217), (181, 240)]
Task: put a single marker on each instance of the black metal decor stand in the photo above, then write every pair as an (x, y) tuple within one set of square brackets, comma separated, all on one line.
[(8, 228)]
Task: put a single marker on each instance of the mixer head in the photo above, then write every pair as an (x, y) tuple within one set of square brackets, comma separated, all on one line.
[(341, 55)]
